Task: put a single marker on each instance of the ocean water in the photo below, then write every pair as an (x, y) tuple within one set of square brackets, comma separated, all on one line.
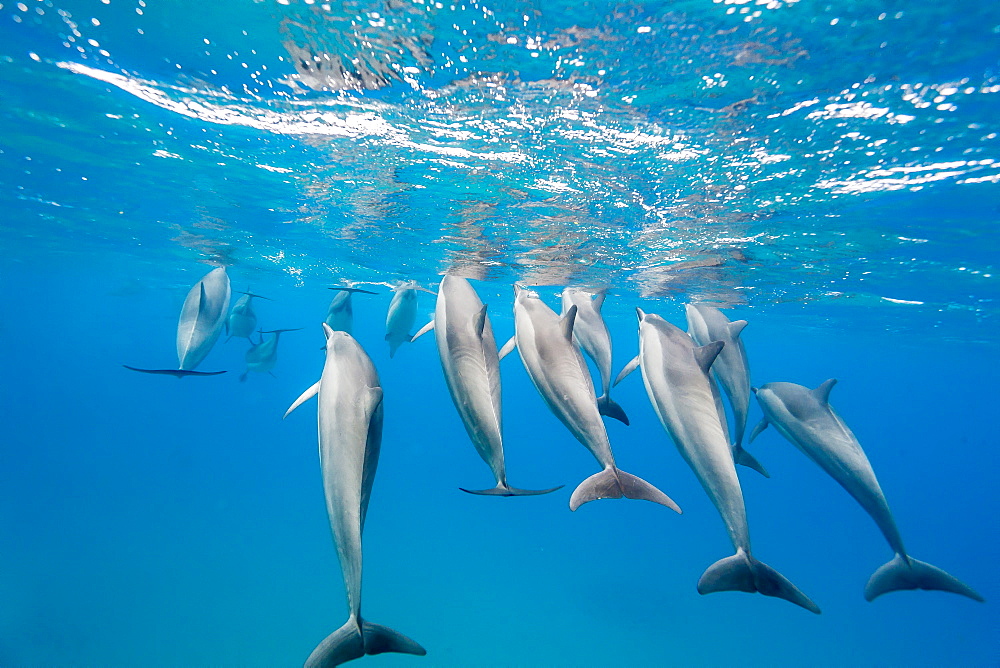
[(828, 171)]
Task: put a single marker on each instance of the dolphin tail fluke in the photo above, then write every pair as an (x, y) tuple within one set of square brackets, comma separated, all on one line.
[(744, 458), (908, 573), (177, 373), (505, 490), (741, 572), (608, 407), (351, 642), (613, 483)]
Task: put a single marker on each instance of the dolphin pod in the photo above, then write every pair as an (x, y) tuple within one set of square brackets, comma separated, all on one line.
[(242, 319), (200, 324), (682, 374), (557, 369), (675, 372), (591, 332), (806, 418), (349, 424), (730, 369), (263, 355), (471, 367)]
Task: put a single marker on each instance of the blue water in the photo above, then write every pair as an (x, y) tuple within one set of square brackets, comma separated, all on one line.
[(829, 172)]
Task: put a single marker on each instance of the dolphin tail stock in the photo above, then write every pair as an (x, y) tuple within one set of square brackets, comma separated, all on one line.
[(613, 483), (908, 573), (177, 373), (506, 490), (744, 458), (355, 639), (607, 406), (741, 572)]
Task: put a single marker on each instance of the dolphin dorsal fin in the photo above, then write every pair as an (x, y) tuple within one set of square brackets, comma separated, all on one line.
[(736, 328), (479, 321), (705, 355), (202, 300), (599, 298), (822, 393), (629, 368), (567, 322)]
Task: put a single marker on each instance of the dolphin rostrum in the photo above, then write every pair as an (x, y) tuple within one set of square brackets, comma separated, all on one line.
[(806, 418), (730, 369), (557, 369), (263, 355), (242, 320), (340, 315), (591, 332), (675, 373), (350, 436), (401, 315), (200, 324), (471, 367)]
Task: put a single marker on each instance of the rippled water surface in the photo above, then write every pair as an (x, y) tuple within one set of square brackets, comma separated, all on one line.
[(829, 171)]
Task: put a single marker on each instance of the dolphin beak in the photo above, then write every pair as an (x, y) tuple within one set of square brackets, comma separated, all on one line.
[(754, 390), (327, 330)]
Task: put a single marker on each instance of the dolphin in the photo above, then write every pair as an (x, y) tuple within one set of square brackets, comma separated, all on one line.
[(200, 324), (471, 367), (731, 370), (401, 315), (591, 332), (350, 437), (242, 320), (806, 418), (340, 315), (263, 355), (675, 373), (557, 369)]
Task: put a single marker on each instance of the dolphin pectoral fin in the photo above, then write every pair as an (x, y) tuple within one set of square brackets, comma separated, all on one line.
[(508, 347), (423, 330), (629, 368), (304, 397), (741, 572), (897, 575), (177, 373), (243, 376), (736, 328), (612, 483), (607, 407), (744, 458), (706, 354), (504, 490), (761, 426), (599, 298)]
